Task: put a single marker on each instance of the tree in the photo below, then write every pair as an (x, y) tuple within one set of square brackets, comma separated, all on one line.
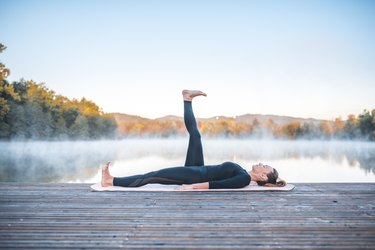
[(4, 72), (80, 128), (366, 124), (39, 113), (338, 127), (310, 131), (40, 94), (351, 127), (292, 130), (326, 129), (271, 126), (256, 129), (6, 90)]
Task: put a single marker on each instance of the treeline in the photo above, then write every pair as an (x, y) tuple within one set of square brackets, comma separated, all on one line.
[(361, 127), (31, 111)]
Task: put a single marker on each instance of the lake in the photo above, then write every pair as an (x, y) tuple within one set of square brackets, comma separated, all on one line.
[(79, 162)]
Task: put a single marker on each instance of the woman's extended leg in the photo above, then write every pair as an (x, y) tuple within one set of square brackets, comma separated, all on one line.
[(194, 156), (175, 175)]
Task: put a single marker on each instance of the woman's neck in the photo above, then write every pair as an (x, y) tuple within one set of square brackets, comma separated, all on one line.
[(252, 175)]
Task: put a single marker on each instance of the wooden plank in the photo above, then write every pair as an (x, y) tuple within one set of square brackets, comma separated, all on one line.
[(321, 216)]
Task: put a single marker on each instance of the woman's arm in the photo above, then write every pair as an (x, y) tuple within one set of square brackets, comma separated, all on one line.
[(240, 180), (237, 181), (202, 185)]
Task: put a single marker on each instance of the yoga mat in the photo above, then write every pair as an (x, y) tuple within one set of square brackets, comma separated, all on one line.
[(163, 188)]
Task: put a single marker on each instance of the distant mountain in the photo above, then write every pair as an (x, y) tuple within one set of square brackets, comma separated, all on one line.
[(248, 126), (169, 117), (247, 118), (121, 118)]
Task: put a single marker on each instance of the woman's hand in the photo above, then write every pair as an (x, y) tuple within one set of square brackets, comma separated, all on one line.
[(185, 187)]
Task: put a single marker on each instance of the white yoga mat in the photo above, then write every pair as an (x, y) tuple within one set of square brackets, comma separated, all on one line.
[(163, 188)]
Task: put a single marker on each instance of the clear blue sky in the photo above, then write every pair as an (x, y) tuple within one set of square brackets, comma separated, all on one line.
[(298, 58)]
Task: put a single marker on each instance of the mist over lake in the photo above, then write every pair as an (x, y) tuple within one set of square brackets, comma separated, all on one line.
[(80, 161)]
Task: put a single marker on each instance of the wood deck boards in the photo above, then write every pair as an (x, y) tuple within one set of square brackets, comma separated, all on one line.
[(313, 216)]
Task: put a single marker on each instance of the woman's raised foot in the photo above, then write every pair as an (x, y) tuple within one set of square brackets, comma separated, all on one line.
[(188, 95)]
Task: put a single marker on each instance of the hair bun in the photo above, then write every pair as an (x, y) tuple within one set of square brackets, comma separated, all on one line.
[(280, 183)]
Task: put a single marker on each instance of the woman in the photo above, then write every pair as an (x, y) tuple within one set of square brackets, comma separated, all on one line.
[(195, 175)]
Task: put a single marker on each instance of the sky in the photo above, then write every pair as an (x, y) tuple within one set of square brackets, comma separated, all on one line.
[(309, 59)]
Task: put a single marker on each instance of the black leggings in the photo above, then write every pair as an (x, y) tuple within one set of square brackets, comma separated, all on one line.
[(194, 156), (191, 173)]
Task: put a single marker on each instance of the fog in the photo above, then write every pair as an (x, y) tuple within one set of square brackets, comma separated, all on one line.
[(80, 161)]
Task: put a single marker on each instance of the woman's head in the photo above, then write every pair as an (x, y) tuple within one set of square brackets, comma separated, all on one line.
[(266, 175)]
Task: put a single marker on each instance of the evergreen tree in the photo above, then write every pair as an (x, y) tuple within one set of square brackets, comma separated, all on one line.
[(366, 124)]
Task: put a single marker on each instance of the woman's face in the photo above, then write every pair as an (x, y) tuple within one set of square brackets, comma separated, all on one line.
[(262, 169)]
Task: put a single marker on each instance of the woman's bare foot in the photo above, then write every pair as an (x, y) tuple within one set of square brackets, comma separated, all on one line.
[(107, 178), (188, 95)]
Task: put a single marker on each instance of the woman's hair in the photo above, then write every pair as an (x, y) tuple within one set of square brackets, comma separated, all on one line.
[(273, 180)]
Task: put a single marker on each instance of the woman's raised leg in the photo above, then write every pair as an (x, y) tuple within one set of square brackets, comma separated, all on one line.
[(194, 156)]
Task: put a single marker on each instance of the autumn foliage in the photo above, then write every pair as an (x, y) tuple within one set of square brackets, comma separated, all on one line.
[(355, 127)]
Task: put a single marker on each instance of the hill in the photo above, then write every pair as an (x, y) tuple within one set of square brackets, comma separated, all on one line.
[(252, 125), (132, 125), (280, 120), (246, 118)]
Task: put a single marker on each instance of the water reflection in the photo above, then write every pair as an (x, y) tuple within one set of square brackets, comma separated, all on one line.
[(80, 161)]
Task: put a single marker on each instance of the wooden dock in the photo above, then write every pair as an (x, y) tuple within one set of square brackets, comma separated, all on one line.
[(313, 216)]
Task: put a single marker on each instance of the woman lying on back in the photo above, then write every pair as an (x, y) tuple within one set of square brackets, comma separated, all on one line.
[(196, 175)]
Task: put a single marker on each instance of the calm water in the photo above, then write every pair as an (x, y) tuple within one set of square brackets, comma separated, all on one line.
[(296, 161)]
